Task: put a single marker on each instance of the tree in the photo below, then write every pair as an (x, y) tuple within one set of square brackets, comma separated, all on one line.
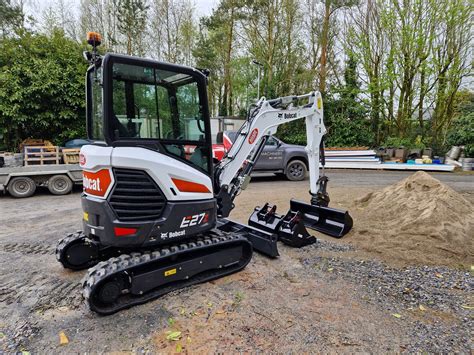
[(11, 17), (413, 55), (272, 37), (101, 16), (59, 16), (452, 62), (346, 114), (131, 16), (172, 30), (330, 9), (41, 88), (215, 51)]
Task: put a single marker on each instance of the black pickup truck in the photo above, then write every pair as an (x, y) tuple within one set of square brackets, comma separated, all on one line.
[(280, 158)]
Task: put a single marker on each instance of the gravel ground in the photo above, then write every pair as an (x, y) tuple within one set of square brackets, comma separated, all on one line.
[(328, 297), (424, 296)]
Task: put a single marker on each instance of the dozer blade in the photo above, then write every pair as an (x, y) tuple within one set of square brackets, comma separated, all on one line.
[(289, 228), (330, 221)]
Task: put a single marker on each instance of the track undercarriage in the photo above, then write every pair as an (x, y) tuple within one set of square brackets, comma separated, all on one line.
[(121, 278)]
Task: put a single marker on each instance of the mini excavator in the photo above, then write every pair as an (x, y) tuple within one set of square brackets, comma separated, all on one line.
[(155, 202)]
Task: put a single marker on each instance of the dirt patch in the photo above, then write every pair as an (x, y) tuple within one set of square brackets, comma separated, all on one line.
[(418, 220)]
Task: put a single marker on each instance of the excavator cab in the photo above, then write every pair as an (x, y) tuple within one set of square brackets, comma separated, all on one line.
[(160, 106)]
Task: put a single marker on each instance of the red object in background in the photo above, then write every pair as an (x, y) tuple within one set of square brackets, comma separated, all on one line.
[(218, 151), (227, 142)]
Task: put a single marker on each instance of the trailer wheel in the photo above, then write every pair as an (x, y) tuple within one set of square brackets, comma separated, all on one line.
[(21, 186), (296, 170), (59, 185)]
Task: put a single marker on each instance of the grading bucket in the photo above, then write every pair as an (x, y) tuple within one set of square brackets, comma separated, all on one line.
[(330, 221)]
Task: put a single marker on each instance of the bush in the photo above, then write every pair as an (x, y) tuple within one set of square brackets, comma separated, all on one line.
[(462, 131), (407, 142), (41, 88), (469, 150)]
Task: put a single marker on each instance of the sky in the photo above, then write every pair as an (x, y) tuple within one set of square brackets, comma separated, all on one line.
[(203, 7)]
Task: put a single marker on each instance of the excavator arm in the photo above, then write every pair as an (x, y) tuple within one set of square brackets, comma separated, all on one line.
[(233, 173), (264, 117)]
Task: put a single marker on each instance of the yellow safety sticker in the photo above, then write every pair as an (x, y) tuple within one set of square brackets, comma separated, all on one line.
[(170, 272), (86, 216), (320, 103)]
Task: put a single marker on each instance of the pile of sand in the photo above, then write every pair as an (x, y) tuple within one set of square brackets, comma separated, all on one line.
[(418, 220)]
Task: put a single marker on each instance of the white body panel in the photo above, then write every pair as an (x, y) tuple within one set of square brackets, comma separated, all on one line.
[(96, 157), (162, 169)]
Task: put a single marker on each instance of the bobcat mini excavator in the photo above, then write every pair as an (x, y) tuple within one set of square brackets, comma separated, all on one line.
[(155, 204)]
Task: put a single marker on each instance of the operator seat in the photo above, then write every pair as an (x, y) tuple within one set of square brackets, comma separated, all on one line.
[(199, 158)]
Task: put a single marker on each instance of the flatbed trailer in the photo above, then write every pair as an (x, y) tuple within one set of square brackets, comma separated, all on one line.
[(22, 181)]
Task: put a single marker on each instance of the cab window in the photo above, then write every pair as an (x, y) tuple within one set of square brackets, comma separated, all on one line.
[(154, 104)]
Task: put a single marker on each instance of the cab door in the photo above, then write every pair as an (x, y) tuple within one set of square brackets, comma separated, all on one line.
[(271, 157)]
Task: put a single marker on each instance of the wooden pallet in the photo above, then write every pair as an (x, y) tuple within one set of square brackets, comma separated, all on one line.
[(71, 155), (42, 155)]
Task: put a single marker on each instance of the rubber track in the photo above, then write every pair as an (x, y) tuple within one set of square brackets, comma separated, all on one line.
[(62, 243), (124, 262), (66, 241)]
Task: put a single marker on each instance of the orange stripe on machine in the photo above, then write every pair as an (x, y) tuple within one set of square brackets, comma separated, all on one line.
[(189, 186), (96, 183)]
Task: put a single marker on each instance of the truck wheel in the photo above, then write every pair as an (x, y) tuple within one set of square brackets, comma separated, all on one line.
[(296, 170), (59, 185), (21, 186)]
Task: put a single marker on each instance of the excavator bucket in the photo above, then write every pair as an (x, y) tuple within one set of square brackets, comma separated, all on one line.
[(289, 228), (330, 221)]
